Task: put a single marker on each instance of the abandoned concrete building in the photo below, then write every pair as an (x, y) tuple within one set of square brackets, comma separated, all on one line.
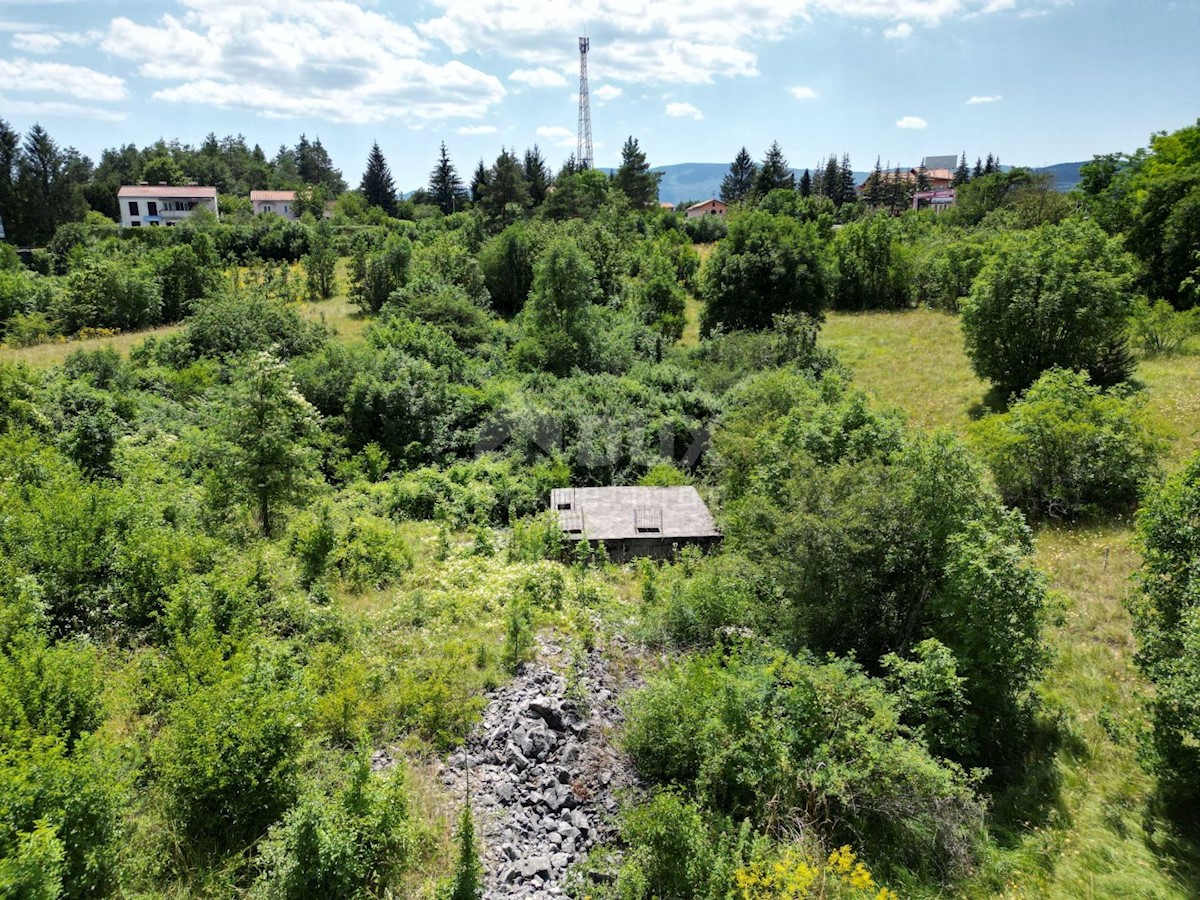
[(635, 521)]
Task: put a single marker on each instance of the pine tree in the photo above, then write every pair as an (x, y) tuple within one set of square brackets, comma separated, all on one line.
[(537, 175), (806, 184), (873, 189), (377, 187), (634, 178), (774, 172), (847, 189), (445, 187), (989, 167), (479, 182), (977, 172), (922, 177), (739, 181), (506, 192), (962, 174), (831, 183)]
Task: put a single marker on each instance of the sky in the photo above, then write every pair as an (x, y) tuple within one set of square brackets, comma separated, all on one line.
[(1035, 81)]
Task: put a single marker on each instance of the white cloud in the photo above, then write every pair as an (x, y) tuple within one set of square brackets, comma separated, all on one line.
[(912, 122), (559, 136), (975, 101), (50, 41), (75, 81), (475, 129), (899, 32), (608, 92), (803, 92), (327, 58), (40, 108), (541, 77), (658, 42), (683, 110)]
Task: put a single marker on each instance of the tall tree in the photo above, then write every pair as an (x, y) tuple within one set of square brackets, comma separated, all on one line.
[(873, 188), (10, 151), (847, 191), (774, 172), (377, 187), (49, 186), (506, 194), (537, 175), (634, 178), (977, 172), (445, 187), (479, 182), (989, 167), (831, 183), (962, 174), (806, 184), (739, 180)]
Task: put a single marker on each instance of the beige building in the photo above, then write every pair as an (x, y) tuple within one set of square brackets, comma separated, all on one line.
[(155, 205), (707, 208)]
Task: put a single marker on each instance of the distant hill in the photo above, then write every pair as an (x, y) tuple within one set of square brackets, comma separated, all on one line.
[(702, 181)]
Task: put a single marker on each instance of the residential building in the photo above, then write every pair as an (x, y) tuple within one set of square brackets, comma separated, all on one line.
[(635, 521), (281, 203), (163, 204), (707, 208), (938, 201)]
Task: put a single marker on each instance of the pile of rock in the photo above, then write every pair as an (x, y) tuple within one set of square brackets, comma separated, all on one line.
[(541, 772)]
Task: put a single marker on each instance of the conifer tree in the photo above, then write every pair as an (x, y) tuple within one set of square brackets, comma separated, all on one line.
[(806, 184), (847, 189), (739, 181), (962, 174), (537, 175), (774, 172), (479, 182), (445, 187), (634, 178), (831, 183), (468, 871), (872, 190), (505, 192), (377, 186), (989, 167), (977, 172)]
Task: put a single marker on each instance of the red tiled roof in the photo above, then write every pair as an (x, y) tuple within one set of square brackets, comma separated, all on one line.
[(272, 196), (167, 190)]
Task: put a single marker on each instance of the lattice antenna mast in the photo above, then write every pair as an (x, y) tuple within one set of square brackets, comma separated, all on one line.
[(583, 148)]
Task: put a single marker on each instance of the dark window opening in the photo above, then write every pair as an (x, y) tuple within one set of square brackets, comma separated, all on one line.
[(151, 208), (133, 208)]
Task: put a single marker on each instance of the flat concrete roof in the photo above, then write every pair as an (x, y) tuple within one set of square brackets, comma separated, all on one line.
[(623, 513)]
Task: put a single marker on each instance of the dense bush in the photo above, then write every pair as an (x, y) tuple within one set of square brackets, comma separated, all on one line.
[(354, 838), (877, 538), (1067, 449), (781, 739), (871, 268), (1166, 620), (767, 265), (1059, 295)]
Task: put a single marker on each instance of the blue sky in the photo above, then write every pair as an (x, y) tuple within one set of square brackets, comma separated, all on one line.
[(1036, 81)]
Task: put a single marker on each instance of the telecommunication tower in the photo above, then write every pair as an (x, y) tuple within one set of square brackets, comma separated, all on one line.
[(583, 148)]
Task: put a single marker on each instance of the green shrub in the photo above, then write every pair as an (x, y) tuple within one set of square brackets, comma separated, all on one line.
[(1166, 620), (372, 554), (1059, 295), (1069, 450), (226, 753), (779, 739), (1158, 329), (354, 838)]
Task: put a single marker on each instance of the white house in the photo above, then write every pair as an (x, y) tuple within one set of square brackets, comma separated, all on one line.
[(707, 208), (282, 203), (163, 204)]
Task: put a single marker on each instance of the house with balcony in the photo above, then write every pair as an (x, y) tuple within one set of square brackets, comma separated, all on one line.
[(155, 205)]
